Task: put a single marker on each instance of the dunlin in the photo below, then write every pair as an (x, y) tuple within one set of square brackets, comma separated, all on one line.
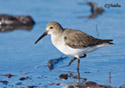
[(73, 42), (95, 9)]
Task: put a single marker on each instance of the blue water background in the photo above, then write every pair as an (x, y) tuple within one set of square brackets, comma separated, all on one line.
[(19, 54)]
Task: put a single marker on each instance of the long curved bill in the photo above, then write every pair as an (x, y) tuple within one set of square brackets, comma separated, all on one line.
[(44, 34)]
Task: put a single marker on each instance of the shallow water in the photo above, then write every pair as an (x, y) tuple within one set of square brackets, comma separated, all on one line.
[(21, 57)]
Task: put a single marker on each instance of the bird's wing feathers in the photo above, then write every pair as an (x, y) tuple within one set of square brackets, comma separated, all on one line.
[(78, 39)]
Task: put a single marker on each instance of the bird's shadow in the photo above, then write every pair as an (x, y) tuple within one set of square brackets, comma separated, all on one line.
[(53, 62)]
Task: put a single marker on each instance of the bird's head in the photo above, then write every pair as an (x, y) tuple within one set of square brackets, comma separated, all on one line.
[(52, 28)]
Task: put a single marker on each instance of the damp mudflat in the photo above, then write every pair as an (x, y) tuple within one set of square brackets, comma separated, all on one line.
[(25, 65)]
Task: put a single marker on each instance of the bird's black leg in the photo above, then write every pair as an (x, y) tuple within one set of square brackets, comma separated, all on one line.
[(72, 61)]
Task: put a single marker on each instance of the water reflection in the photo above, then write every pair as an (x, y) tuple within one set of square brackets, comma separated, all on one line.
[(10, 23), (81, 83), (11, 28)]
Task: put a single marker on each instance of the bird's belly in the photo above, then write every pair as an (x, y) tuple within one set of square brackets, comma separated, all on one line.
[(68, 50), (76, 52)]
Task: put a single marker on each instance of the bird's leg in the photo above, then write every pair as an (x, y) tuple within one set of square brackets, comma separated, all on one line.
[(83, 56), (72, 61), (75, 59), (78, 63)]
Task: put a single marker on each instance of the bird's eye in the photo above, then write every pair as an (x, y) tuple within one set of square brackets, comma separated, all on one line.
[(51, 27)]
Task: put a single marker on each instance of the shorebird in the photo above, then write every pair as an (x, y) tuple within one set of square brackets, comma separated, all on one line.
[(73, 42), (95, 9)]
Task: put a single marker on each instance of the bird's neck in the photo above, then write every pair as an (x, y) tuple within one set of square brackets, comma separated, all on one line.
[(56, 37)]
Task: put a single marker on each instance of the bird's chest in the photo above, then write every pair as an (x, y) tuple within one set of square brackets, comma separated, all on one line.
[(58, 42)]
